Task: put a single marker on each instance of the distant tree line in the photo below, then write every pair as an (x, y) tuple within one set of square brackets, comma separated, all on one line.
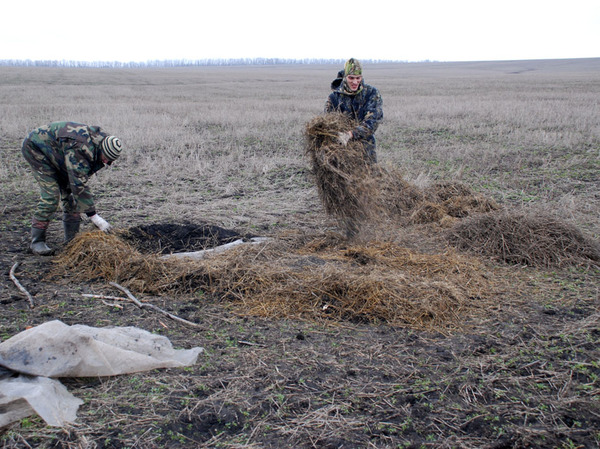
[(175, 62)]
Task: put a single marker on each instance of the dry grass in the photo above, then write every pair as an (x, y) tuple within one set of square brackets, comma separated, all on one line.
[(356, 194), (538, 240), (360, 194), (94, 255), (315, 279), (344, 179)]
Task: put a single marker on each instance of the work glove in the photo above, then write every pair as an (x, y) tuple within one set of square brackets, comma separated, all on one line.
[(343, 138), (100, 223)]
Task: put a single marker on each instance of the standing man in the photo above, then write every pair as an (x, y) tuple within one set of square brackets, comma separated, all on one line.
[(359, 101), (63, 155)]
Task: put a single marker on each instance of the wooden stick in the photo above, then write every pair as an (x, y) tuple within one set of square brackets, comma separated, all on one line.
[(19, 286), (113, 304), (152, 306), (114, 298), (249, 343)]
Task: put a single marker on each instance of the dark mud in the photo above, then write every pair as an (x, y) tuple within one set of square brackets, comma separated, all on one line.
[(166, 238)]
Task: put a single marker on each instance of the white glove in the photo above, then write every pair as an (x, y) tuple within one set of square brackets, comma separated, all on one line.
[(344, 138), (100, 223)]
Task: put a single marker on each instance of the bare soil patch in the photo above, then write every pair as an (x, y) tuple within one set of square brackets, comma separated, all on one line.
[(165, 238)]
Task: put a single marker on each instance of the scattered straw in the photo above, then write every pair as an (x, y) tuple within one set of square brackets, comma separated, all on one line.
[(327, 277), (343, 176), (356, 192), (97, 255), (314, 279)]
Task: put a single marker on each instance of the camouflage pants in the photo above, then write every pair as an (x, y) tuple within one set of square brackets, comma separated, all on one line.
[(54, 185), (370, 153)]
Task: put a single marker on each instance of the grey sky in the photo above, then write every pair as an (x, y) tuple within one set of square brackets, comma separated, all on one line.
[(442, 30)]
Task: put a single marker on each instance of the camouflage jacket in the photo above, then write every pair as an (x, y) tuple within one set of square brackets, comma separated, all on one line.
[(74, 151), (364, 107)]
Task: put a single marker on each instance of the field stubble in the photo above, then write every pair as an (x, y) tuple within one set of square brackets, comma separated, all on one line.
[(225, 145)]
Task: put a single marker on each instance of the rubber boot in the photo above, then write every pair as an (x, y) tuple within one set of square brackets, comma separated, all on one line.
[(71, 223), (38, 242)]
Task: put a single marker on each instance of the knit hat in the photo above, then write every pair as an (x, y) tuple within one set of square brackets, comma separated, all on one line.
[(352, 67), (111, 147)]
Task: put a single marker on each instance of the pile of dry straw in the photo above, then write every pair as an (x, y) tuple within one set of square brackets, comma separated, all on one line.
[(538, 240), (360, 195), (298, 276), (331, 277)]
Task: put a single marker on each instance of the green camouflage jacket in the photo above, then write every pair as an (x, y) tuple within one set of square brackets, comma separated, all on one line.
[(73, 150)]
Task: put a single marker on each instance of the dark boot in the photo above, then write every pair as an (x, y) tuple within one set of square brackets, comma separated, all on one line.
[(71, 223), (38, 242)]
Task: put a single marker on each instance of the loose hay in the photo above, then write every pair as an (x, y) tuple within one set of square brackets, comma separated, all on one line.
[(522, 238), (397, 198), (356, 192), (381, 283), (458, 200), (428, 212), (343, 176), (313, 279), (97, 255)]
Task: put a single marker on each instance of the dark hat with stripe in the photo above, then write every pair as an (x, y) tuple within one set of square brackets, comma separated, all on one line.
[(111, 147)]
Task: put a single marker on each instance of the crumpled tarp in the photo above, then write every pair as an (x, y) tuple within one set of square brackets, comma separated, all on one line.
[(22, 396), (54, 349)]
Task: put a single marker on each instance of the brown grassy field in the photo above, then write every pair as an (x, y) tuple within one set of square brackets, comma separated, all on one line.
[(401, 338)]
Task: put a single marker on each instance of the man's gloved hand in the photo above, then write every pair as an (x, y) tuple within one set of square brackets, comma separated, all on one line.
[(100, 223), (344, 137)]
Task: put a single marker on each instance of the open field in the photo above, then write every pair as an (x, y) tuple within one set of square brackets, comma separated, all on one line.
[(516, 366)]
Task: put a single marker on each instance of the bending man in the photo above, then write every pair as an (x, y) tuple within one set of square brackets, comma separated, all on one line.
[(63, 155)]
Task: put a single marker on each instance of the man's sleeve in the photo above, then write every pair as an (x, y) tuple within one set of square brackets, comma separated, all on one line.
[(372, 117), (77, 162), (329, 107)]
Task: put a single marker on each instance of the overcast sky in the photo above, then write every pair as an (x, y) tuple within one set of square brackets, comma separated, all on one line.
[(440, 30)]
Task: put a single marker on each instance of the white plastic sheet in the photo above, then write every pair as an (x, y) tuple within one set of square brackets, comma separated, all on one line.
[(24, 395), (217, 249), (54, 349)]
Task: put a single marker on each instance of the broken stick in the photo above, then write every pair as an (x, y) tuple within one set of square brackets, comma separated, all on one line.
[(116, 298), (19, 286), (152, 306)]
